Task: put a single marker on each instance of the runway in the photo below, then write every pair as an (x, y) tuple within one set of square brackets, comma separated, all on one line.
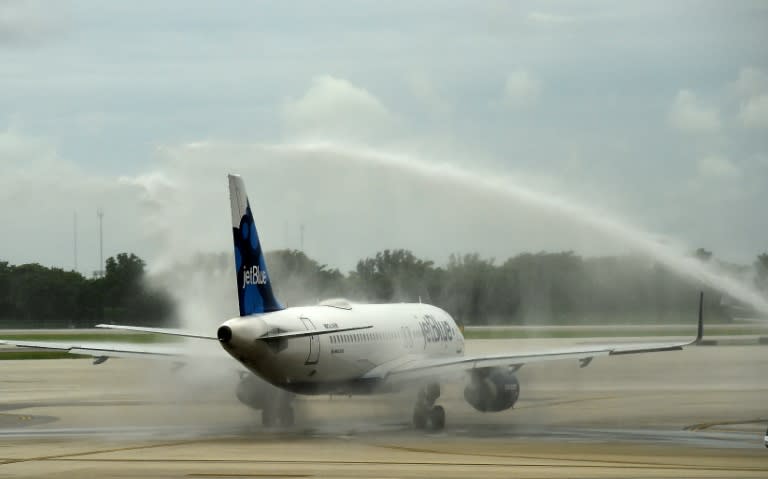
[(696, 413)]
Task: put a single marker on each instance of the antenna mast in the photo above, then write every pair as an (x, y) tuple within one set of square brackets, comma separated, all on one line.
[(100, 214), (74, 237)]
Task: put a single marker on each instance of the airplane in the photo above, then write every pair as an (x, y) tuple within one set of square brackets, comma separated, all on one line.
[(346, 348)]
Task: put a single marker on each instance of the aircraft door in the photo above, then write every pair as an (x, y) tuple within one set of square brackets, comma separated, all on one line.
[(314, 343)]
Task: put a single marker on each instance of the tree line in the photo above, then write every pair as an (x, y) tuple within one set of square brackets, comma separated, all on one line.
[(36, 296), (530, 288)]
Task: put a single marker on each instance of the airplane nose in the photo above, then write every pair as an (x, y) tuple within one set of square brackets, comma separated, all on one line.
[(224, 334)]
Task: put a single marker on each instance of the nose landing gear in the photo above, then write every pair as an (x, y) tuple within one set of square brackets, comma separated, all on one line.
[(278, 410), (426, 415)]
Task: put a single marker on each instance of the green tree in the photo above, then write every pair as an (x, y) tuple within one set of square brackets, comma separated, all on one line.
[(298, 279), (469, 281), (393, 275)]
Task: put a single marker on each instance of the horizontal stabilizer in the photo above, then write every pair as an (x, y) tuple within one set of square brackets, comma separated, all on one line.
[(169, 332)]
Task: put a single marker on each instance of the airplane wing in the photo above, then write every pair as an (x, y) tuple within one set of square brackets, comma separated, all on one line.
[(418, 368), (105, 350), (189, 334)]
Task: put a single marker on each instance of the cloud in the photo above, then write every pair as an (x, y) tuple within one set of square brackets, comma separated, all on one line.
[(752, 81), (549, 18), (687, 114), (717, 167), (424, 89), (15, 148), (521, 89), (754, 113), (27, 21), (41, 191), (751, 89), (334, 107)]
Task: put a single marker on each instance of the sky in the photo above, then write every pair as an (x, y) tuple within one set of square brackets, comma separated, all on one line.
[(339, 116)]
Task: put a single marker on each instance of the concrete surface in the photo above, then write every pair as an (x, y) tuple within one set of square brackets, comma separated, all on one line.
[(696, 413)]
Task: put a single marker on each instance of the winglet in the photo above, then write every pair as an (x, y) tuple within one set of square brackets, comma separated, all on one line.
[(700, 331)]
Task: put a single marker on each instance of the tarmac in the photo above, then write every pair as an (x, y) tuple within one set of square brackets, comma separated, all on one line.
[(701, 412)]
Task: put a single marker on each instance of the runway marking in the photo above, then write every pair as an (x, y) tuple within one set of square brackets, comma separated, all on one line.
[(542, 462), (70, 456), (600, 462), (539, 461), (540, 404), (23, 420), (707, 425), (212, 474)]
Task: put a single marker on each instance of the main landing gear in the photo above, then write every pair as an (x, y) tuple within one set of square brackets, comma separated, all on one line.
[(278, 411), (426, 415)]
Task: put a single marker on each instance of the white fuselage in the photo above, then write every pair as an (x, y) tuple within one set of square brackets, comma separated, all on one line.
[(341, 362)]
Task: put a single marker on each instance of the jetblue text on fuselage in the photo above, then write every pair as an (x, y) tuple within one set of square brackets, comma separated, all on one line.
[(434, 331), (254, 275)]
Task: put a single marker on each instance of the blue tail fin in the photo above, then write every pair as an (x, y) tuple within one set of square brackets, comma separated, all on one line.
[(254, 288)]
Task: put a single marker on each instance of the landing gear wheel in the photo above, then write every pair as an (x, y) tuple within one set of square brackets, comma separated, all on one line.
[(278, 410), (436, 419), (426, 415)]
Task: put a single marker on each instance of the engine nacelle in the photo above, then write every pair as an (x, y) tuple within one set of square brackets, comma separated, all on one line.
[(494, 391), (254, 392)]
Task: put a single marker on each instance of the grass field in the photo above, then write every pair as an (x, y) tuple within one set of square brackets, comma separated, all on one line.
[(16, 355)]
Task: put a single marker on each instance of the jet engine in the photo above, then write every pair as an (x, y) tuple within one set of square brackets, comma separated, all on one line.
[(254, 392), (492, 390)]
